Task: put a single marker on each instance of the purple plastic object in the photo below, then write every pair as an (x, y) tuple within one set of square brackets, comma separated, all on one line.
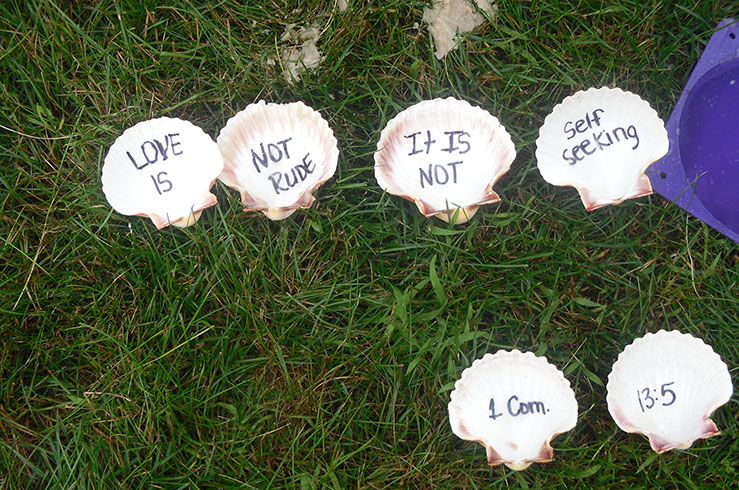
[(700, 173)]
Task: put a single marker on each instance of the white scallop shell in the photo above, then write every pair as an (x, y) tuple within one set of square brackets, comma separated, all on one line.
[(276, 156), (444, 155), (666, 385), (162, 168), (601, 142), (532, 402)]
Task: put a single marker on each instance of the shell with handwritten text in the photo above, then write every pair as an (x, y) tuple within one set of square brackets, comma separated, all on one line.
[(514, 404), (601, 142), (162, 168), (445, 155), (666, 385), (276, 156)]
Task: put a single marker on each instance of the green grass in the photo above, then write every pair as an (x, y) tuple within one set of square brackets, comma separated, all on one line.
[(320, 351)]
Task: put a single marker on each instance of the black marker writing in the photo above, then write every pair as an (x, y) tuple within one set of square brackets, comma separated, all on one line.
[(600, 141), (154, 149), (429, 141), (516, 408), (272, 153), (458, 141), (162, 185), (582, 125), (491, 407), (458, 136), (438, 174), (284, 181), (648, 398)]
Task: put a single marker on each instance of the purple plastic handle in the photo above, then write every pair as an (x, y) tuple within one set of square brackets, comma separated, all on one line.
[(700, 173)]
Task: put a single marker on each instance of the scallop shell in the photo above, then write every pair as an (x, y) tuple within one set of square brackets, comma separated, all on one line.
[(601, 142), (514, 404), (666, 385), (444, 155), (276, 156), (162, 168)]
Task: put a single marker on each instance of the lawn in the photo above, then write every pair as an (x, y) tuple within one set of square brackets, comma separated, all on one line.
[(320, 351)]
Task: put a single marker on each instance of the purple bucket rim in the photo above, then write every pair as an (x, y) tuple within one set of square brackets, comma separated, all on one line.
[(668, 175)]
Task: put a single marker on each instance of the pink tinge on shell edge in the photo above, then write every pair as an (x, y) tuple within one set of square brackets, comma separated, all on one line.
[(661, 445), (162, 221), (593, 202)]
